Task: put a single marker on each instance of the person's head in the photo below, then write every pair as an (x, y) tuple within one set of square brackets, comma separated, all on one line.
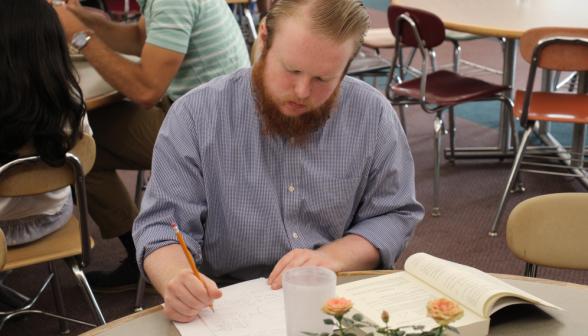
[(307, 46), (39, 95)]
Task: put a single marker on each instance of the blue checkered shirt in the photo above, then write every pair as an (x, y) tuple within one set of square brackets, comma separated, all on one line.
[(243, 200)]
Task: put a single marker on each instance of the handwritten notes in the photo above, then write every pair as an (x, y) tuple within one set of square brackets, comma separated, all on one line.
[(250, 308)]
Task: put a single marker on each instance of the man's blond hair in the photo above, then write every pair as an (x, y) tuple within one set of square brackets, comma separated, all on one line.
[(335, 20)]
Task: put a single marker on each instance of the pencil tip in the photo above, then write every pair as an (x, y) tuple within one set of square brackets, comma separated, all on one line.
[(211, 307)]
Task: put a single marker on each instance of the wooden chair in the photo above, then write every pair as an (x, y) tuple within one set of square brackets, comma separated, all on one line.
[(551, 231), (560, 49), (439, 90), (29, 175)]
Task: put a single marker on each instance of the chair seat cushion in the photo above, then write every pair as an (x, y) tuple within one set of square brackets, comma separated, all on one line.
[(550, 106), (448, 88), (62, 243)]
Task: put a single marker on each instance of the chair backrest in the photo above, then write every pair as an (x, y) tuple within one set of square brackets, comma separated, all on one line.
[(551, 230), (429, 26), (29, 175), (567, 54), (255, 52), (40, 178)]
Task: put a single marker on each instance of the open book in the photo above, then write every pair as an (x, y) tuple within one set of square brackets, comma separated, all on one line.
[(404, 295)]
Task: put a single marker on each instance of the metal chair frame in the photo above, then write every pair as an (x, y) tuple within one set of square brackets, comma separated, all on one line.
[(513, 180), (438, 110), (76, 263)]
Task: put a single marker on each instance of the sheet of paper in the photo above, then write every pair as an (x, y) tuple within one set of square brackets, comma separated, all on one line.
[(196, 328), (250, 308), (402, 295)]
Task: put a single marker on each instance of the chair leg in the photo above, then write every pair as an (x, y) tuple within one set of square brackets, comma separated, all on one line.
[(518, 186), (513, 176), (438, 127), (57, 297), (530, 270), (452, 134), (88, 295), (140, 294), (249, 18)]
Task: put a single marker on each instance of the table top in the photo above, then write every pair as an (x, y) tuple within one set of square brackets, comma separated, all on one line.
[(97, 92), (513, 320), (504, 18)]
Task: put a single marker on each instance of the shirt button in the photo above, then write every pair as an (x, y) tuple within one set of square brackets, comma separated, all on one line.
[(291, 188), (295, 235), (292, 140)]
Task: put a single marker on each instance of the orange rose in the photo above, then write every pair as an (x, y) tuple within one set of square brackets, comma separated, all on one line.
[(444, 311), (337, 306)]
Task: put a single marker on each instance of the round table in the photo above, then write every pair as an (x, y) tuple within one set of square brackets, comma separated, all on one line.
[(514, 320)]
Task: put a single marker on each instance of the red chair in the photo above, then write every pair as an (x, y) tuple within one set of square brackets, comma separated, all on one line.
[(437, 91), (123, 8), (560, 49)]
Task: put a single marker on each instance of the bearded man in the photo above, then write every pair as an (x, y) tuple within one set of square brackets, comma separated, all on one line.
[(287, 164)]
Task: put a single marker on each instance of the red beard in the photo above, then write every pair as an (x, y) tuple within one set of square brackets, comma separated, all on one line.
[(274, 123)]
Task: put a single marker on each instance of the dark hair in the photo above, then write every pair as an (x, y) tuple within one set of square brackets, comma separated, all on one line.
[(39, 94)]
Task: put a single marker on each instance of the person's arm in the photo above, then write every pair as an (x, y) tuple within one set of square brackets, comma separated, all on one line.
[(384, 222), (143, 83), (184, 295), (126, 38), (175, 194)]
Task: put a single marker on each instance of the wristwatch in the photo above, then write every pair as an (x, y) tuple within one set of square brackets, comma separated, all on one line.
[(80, 39)]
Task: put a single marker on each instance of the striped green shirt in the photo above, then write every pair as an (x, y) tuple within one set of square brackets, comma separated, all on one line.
[(204, 30)]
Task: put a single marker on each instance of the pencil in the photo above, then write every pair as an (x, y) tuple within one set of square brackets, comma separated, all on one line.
[(189, 257)]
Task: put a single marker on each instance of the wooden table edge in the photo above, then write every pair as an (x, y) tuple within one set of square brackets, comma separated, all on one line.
[(478, 30), (103, 100), (157, 308)]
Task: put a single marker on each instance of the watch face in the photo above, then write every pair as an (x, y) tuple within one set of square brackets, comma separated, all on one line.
[(80, 40)]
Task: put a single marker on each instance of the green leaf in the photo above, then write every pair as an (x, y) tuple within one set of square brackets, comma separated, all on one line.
[(381, 331), (358, 317), (370, 334), (329, 321), (453, 329), (325, 334), (349, 334)]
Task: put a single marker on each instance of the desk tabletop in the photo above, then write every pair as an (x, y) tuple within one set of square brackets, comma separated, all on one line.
[(514, 320), (504, 18), (97, 92)]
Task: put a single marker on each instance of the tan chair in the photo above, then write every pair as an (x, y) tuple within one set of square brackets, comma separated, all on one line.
[(29, 175), (2, 250), (551, 231)]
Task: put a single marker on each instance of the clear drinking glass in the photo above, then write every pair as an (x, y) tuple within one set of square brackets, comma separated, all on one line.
[(306, 289)]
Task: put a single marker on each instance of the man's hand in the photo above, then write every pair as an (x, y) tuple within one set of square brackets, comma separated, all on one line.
[(301, 257), (350, 253), (185, 296)]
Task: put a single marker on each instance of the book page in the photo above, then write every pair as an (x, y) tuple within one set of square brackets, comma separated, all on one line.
[(249, 308), (468, 286), (404, 297)]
